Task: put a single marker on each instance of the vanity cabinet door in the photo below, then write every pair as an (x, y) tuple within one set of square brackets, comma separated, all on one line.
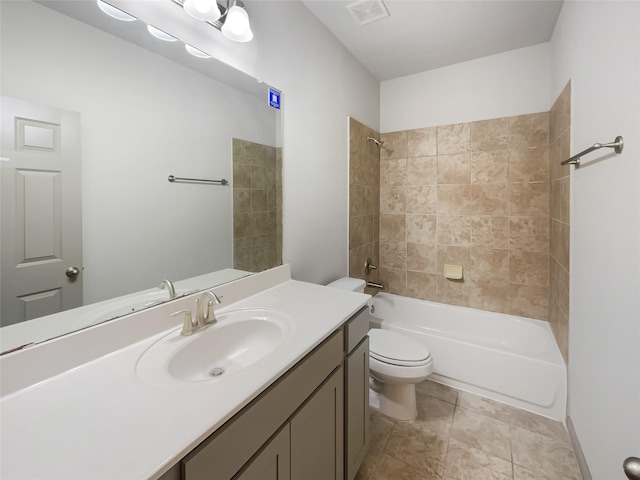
[(317, 433), (356, 408), (273, 462), (227, 451)]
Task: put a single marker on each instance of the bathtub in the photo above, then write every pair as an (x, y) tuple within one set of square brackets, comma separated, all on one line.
[(510, 359)]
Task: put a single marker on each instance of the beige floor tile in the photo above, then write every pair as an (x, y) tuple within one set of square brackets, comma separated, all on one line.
[(391, 469), (380, 430), (467, 463), (539, 424), (515, 416), (486, 406), (544, 455), (434, 415), (476, 439), (482, 432), (366, 469), (422, 450), (437, 390), (521, 473)]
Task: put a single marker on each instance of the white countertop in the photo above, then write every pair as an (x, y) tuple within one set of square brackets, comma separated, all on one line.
[(99, 420)]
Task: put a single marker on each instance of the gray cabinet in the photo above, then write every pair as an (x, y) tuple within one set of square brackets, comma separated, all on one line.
[(356, 389), (357, 411), (310, 445), (317, 433), (272, 462)]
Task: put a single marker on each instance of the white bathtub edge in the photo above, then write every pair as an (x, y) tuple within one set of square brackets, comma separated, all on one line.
[(556, 412)]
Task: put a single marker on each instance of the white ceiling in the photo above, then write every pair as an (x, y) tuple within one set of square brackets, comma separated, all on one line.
[(421, 35)]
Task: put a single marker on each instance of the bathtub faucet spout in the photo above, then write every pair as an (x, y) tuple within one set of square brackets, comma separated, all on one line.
[(168, 284)]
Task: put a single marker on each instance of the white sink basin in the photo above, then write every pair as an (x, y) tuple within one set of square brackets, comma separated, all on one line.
[(237, 341)]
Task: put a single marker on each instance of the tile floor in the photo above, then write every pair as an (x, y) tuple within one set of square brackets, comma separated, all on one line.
[(458, 435)]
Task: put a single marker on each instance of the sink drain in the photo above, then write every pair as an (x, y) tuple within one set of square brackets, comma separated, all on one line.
[(216, 372)]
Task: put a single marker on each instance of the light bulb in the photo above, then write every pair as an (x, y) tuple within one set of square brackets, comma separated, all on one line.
[(115, 12), (206, 10), (195, 52), (159, 34), (202, 6), (236, 26)]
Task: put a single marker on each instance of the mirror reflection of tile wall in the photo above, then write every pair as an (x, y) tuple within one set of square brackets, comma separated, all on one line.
[(257, 206)]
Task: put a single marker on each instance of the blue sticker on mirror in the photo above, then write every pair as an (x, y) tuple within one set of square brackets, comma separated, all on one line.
[(274, 98)]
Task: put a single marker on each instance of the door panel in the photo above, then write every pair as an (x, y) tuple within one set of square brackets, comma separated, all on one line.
[(41, 213), (272, 462), (39, 304), (317, 433), (37, 228)]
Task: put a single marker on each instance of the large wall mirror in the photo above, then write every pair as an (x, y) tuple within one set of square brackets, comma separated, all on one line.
[(96, 115)]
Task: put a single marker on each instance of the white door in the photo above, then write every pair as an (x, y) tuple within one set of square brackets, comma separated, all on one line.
[(41, 212)]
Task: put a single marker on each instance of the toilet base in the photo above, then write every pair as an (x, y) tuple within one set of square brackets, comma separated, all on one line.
[(395, 401)]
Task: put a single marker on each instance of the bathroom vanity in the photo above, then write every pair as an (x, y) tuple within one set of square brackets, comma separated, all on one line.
[(81, 406), (312, 423)]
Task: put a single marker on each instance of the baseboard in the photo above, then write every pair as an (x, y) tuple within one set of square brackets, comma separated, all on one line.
[(582, 462)]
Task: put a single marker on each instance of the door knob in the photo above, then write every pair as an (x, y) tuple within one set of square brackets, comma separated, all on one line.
[(632, 468), (72, 272)]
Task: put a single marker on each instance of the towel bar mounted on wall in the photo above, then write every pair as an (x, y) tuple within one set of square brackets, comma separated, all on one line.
[(617, 145), (173, 179)]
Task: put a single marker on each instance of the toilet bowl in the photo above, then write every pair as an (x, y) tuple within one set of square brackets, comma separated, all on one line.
[(396, 364)]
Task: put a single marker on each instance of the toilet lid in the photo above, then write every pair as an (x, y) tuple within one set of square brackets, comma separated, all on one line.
[(397, 349)]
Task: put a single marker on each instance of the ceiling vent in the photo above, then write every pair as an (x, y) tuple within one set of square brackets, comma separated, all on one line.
[(367, 11)]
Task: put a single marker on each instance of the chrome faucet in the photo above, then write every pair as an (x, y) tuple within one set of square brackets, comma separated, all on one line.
[(169, 286), (206, 318), (203, 319), (187, 324)]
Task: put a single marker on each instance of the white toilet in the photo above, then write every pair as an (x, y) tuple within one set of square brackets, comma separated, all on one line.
[(396, 364)]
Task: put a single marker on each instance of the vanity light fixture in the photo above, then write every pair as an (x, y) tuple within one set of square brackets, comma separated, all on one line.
[(115, 12), (233, 20), (156, 32), (206, 10), (159, 34), (236, 26)]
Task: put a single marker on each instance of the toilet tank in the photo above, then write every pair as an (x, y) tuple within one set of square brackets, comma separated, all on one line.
[(348, 283)]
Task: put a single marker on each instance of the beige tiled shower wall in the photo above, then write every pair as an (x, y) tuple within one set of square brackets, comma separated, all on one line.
[(257, 206), (364, 200), (559, 188), (471, 194)]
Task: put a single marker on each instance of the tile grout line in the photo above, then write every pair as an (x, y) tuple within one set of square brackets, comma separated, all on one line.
[(513, 466), (446, 454), (384, 447)]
